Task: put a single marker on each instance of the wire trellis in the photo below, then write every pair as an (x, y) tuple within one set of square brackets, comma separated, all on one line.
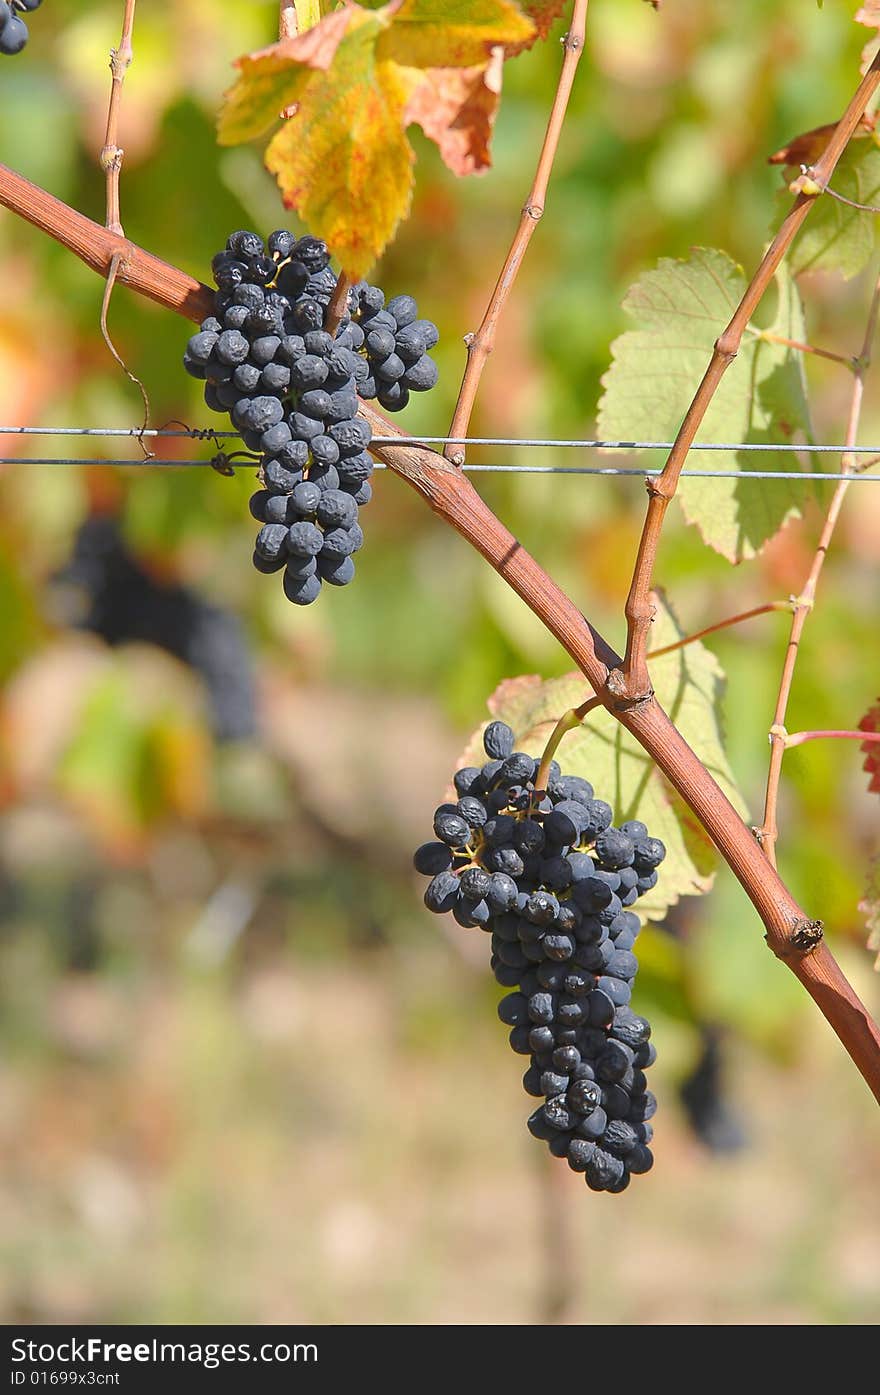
[(517, 442)]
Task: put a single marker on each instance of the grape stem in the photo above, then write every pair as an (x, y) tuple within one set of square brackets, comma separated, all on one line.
[(481, 344), (797, 738), (567, 722), (768, 833), (632, 682), (790, 933), (338, 303)]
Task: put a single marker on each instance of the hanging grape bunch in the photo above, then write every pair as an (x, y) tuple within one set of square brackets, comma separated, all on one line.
[(291, 391), (548, 876), (13, 30)]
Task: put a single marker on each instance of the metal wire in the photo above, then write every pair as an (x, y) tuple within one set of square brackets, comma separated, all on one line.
[(157, 463), (532, 443)]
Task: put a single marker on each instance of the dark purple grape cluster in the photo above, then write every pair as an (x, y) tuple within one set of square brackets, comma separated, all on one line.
[(548, 876), (291, 390), (13, 30)]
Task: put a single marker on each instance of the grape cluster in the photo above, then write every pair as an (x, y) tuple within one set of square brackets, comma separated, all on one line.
[(103, 588), (291, 390), (706, 1104), (546, 873), (13, 30)]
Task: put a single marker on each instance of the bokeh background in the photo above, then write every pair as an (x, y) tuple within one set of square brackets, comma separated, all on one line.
[(245, 1076)]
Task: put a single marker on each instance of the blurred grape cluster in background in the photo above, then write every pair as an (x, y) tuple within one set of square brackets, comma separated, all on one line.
[(245, 1076)]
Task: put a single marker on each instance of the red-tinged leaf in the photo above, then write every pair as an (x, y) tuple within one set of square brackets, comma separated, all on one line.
[(869, 15), (870, 908), (456, 108), (805, 149), (871, 749), (453, 33), (273, 78), (343, 160), (543, 14)]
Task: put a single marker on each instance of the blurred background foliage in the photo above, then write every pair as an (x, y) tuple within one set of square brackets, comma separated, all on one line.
[(245, 1076)]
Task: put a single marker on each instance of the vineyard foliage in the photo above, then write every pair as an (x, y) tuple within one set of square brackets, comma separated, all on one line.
[(388, 112)]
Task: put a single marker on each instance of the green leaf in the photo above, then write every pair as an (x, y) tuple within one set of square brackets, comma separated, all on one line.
[(836, 237), (452, 33), (689, 684), (680, 309), (133, 759), (343, 160)]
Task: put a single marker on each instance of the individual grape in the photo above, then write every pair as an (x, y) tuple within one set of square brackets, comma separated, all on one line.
[(13, 30), (380, 343), (336, 573), (272, 541), (232, 347), (336, 510), (404, 309), (263, 350), (280, 244), (421, 376), (301, 591), (410, 344), (305, 539), (614, 849)]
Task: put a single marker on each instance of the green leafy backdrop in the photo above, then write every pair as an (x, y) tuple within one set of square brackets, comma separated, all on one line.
[(188, 931)]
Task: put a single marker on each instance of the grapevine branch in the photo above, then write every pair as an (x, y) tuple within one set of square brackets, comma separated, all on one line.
[(633, 682), (111, 162), (768, 833), (790, 933), (112, 153), (481, 344)]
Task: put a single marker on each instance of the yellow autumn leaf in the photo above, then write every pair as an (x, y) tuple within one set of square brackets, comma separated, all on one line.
[(343, 161), (452, 33), (274, 78)]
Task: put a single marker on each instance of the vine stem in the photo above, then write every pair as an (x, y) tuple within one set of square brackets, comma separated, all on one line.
[(481, 344), (287, 20), (797, 738), (768, 833), (791, 934), (721, 625), (769, 337), (112, 153), (633, 681)]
